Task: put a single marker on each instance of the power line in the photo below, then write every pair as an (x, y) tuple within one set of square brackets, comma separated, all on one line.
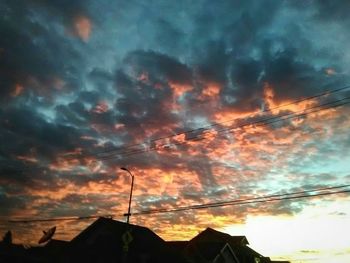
[(70, 218), (209, 127), (258, 123), (260, 199), (204, 129), (302, 113), (242, 203), (263, 122)]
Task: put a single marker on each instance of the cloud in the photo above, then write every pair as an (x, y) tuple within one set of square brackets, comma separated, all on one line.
[(34, 56), (9, 204), (82, 27), (84, 94), (331, 11)]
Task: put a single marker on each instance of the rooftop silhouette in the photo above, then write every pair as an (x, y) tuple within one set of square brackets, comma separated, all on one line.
[(107, 240)]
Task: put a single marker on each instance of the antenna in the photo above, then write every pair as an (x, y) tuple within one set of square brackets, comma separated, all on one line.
[(47, 235)]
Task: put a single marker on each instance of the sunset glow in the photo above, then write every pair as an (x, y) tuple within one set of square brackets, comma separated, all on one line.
[(223, 111), (82, 27)]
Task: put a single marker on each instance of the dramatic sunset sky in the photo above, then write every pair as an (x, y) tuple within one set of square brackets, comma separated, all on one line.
[(179, 93)]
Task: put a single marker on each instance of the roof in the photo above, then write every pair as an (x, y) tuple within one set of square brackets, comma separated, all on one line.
[(207, 244), (247, 254), (109, 226), (109, 240), (210, 234)]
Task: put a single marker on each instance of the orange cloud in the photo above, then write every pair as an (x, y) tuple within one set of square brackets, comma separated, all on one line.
[(228, 117), (179, 89), (64, 164), (210, 91), (17, 91), (83, 27), (101, 107), (237, 158), (30, 159), (276, 107)]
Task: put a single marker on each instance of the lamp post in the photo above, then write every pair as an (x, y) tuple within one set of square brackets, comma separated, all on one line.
[(132, 186)]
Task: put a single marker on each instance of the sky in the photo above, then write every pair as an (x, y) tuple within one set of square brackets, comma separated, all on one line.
[(190, 97)]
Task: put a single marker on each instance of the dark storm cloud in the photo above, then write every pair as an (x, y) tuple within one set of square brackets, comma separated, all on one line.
[(83, 179), (329, 10), (9, 204), (74, 113), (29, 125), (226, 32), (165, 33), (77, 205), (247, 87), (214, 62), (247, 54), (158, 65), (91, 97), (292, 78), (101, 80), (29, 144), (145, 77), (34, 55), (235, 22), (16, 175), (64, 10)]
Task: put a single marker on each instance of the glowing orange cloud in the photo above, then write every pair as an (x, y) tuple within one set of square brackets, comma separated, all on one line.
[(62, 164), (30, 159), (228, 117), (83, 27), (276, 107), (17, 91), (179, 89), (210, 91), (101, 107)]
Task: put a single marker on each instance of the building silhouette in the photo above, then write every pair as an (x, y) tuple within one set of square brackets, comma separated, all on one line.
[(107, 241)]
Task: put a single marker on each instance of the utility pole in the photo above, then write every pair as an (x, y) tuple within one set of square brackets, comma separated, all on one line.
[(132, 186)]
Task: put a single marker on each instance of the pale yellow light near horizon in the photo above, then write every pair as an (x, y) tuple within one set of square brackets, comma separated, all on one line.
[(320, 233)]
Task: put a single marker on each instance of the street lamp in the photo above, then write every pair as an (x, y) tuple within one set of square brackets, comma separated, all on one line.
[(132, 186)]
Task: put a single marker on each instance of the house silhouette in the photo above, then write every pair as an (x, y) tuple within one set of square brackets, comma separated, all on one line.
[(107, 240), (110, 241), (212, 246)]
